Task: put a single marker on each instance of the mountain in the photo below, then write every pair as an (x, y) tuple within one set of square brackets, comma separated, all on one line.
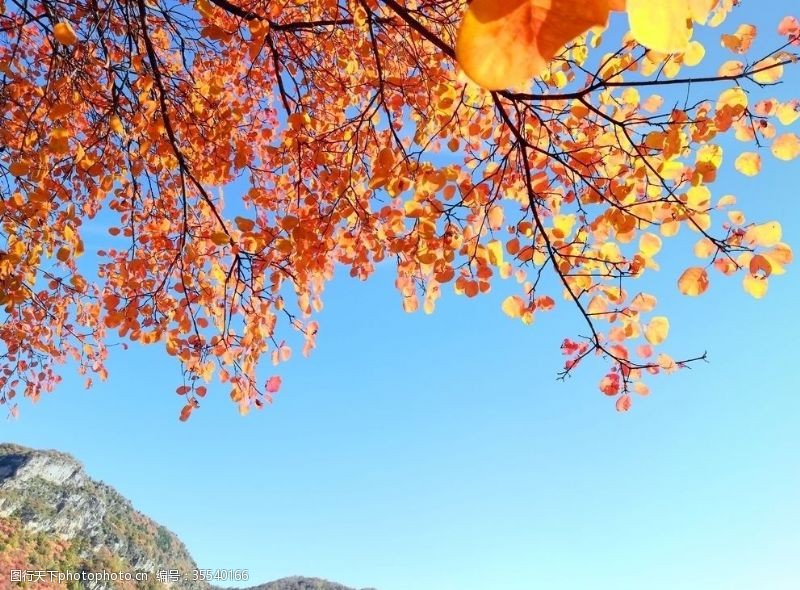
[(54, 517)]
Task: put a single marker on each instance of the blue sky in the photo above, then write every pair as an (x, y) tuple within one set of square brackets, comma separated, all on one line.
[(415, 452)]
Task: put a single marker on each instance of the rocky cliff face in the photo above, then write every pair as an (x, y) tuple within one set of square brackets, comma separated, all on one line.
[(51, 510), (50, 494)]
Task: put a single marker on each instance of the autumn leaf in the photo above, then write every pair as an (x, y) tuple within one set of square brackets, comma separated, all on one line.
[(504, 43), (760, 266), (245, 224), (59, 141), (649, 245), (741, 40), (786, 147), (664, 25), (64, 33), (764, 234), (240, 161), (273, 384), (693, 281), (610, 384), (748, 163), (623, 403), (657, 330), (19, 168), (513, 306), (754, 286)]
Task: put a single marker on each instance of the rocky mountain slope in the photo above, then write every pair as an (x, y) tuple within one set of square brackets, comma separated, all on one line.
[(54, 517)]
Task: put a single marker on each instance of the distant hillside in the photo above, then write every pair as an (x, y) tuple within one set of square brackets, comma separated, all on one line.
[(297, 583), (54, 517)]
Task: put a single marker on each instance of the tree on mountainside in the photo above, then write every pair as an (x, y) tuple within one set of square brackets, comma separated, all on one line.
[(507, 139)]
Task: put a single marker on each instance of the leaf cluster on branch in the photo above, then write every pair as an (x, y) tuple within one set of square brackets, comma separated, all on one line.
[(464, 144)]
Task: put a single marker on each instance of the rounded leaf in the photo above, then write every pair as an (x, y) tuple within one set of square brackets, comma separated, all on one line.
[(64, 33), (760, 267), (693, 281), (786, 147), (513, 306), (754, 286), (661, 26), (657, 330), (504, 43), (748, 163)]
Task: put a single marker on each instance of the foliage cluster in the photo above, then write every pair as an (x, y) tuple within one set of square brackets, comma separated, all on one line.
[(360, 138)]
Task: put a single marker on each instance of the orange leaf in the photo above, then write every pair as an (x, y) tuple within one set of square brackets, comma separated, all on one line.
[(64, 33), (504, 43), (760, 267), (245, 224), (19, 168), (220, 238), (59, 141)]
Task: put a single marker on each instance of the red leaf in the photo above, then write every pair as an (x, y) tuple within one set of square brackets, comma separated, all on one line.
[(610, 384), (273, 384)]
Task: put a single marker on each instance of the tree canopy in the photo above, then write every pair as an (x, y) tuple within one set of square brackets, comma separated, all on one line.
[(463, 144)]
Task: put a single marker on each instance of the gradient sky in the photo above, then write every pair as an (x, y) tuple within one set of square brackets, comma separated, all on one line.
[(415, 452)]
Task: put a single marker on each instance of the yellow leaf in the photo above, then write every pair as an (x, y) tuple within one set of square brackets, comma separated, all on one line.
[(495, 248), (731, 68), (694, 53), (787, 113), (413, 209), (698, 197), (765, 234), (643, 302), (700, 9), (657, 330), (562, 225), (513, 306), (754, 286), (704, 248), (786, 147), (661, 25), (64, 33), (771, 71), (748, 163), (670, 228), (504, 43), (736, 98), (782, 253), (778, 257), (649, 245), (693, 281)]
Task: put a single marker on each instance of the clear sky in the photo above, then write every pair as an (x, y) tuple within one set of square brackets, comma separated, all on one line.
[(415, 452)]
